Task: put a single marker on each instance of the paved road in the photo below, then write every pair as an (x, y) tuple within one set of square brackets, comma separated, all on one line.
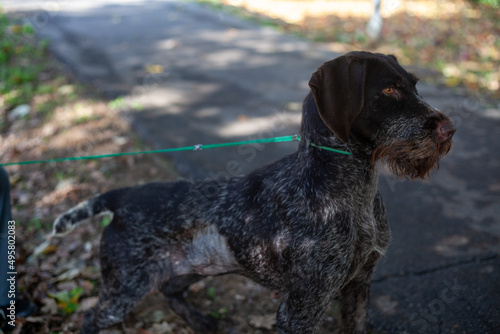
[(215, 78)]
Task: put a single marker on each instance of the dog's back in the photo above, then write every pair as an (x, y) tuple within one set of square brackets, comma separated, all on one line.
[(128, 201)]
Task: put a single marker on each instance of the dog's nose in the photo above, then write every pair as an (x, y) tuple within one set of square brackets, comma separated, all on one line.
[(445, 131)]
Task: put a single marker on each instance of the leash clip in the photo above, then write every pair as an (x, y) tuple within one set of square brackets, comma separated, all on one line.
[(198, 147), (296, 137)]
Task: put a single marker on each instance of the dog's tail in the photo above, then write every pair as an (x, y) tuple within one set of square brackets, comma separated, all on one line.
[(81, 213)]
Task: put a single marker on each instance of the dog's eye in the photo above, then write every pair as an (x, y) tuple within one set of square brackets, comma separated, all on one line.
[(389, 90)]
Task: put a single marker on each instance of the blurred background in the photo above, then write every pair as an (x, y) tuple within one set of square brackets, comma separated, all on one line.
[(457, 41)]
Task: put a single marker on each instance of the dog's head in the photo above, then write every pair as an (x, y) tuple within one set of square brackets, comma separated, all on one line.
[(370, 98)]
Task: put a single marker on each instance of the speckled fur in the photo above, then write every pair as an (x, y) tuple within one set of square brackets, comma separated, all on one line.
[(311, 225)]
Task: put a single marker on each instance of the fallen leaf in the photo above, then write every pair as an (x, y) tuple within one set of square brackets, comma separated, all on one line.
[(163, 328), (198, 286), (87, 303), (158, 316), (49, 306), (87, 286), (19, 327), (67, 275), (266, 321), (154, 68), (44, 248), (36, 319), (66, 285)]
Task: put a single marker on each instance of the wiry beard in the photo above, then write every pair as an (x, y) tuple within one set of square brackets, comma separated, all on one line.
[(412, 159)]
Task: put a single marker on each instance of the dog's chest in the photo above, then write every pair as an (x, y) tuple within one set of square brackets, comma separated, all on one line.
[(372, 236)]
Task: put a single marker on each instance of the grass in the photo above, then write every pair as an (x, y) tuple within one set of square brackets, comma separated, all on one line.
[(21, 62), (490, 3), (26, 78)]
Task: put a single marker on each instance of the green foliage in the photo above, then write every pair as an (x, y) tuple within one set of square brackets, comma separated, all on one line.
[(117, 103), (67, 300), (219, 314), (20, 61), (85, 119), (211, 293), (491, 3), (120, 103), (35, 224)]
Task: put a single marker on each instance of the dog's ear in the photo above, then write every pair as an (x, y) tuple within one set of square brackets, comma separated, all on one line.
[(393, 57), (338, 89)]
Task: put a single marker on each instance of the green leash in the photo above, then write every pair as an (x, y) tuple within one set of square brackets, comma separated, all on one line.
[(331, 149), (187, 148)]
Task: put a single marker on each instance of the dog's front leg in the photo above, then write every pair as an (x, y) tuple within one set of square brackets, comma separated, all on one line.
[(354, 299), (301, 311)]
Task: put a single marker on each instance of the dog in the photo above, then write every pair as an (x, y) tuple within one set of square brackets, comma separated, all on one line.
[(311, 225)]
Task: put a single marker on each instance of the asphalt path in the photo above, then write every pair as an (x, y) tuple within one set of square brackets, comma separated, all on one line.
[(190, 75)]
